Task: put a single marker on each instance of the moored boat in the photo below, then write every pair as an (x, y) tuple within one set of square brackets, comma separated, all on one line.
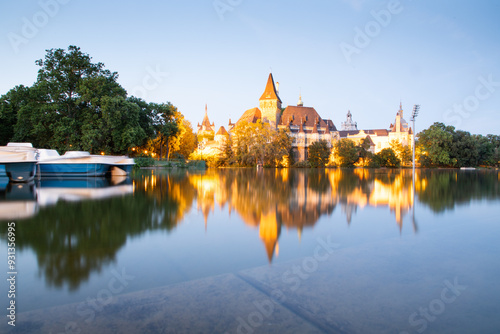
[(19, 161), (81, 164)]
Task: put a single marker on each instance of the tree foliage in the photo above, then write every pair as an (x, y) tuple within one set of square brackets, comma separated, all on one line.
[(436, 143), (403, 152), (387, 158), (442, 145), (345, 153), (318, 152), (185, 141), (77, 104), (257, 143)]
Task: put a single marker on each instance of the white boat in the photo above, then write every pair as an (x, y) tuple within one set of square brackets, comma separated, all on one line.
[(19, 161), (81, 164)]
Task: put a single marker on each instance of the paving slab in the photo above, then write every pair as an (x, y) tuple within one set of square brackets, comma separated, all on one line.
[(219, 304), (402, 285)]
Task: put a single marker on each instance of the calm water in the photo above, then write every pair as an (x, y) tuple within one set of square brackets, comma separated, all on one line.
[(164, 228)]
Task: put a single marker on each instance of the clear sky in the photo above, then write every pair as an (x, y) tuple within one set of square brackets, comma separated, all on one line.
[(365, 56)]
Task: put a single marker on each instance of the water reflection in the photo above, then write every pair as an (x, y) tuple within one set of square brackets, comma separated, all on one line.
[(17, 200), (295, 199), (77, 227)]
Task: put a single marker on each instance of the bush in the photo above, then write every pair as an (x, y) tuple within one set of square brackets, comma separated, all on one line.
[(177, 156), (144, 162), (319, 152), (302, 164), (387, 158)]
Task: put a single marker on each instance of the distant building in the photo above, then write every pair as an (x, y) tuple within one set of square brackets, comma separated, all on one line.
[(381, 138), (349, 125), (206, 131), (305, 124)]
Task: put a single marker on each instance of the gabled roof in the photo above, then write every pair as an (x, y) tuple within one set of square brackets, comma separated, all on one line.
[(270, 91), (222, 131), (294, 115), (369, 140), (330, 124), (377, 132), (251, 116)]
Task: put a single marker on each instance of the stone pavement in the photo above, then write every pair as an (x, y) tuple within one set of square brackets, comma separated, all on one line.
[(401, 285)]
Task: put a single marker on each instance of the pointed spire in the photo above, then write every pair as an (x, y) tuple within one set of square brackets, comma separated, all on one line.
[(301, 130), (315, 127), (270, 91), (300, 103), (206, 121)]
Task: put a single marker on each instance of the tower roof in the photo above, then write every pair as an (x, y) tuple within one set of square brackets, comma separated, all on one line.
[(222, 131), (270, 91), (206, 121)]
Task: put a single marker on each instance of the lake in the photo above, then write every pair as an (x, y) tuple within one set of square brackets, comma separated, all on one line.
[(255, 251)]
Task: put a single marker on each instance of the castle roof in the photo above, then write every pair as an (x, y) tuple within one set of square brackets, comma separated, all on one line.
[(222, 131), (251, 116), (377, 132), (270, 91), (293, 115), (206, 121)]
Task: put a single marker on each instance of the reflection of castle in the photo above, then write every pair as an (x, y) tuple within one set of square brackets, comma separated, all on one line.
[(305, 126), (295, 199)]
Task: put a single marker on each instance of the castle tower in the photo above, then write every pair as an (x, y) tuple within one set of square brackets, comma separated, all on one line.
[(399, 116), (349, 125), (270, 104), (206, 130)]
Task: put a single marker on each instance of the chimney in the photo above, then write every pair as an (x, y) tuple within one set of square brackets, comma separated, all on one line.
[(277, 88)]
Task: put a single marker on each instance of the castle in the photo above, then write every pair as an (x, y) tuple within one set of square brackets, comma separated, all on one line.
[(305, 126)]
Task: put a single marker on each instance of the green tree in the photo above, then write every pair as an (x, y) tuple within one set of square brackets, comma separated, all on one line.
[(10, 104), (495, 149), (185, 141), (165, 127), (121, 124), (463, 150), (403, 152), (257, 143), (365, 156), (227, 155), (485, 150), (435, 144), (387, 158), (75, 104), (345, 153), (318, 153), (279, 148)]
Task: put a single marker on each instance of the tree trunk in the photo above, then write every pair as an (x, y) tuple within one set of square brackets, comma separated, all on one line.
[(161, 149), (168, 150)]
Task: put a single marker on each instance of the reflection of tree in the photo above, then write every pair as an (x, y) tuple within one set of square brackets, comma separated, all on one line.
[(74, 239), (443, 189)]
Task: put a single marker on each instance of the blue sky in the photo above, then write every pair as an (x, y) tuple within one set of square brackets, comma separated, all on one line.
[(365, 56)]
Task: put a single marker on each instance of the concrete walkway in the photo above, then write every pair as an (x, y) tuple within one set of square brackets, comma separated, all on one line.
[(402, 285)]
